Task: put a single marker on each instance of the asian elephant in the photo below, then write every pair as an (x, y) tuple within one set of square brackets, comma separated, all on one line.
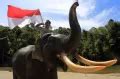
[(39, 62)]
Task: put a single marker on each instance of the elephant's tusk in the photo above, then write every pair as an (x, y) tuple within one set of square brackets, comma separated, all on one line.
[(79, 68), (95, 63)]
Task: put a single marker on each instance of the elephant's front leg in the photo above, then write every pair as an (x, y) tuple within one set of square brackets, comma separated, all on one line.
[(39, 70), (52, 74), (50, 67)]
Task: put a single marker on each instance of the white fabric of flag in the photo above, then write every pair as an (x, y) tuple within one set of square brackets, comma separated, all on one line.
[(17, 16)]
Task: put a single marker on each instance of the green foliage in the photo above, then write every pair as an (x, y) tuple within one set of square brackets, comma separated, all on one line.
[(96, 44), (18, 38), (61, 30), (101, 43), (114, 37)]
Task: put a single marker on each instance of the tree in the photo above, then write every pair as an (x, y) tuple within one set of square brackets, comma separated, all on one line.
[(114, 36)]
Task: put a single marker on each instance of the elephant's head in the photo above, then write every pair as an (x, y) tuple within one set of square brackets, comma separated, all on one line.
[(55, 46)]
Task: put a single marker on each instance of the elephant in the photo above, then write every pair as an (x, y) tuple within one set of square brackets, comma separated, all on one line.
[(39, 61)]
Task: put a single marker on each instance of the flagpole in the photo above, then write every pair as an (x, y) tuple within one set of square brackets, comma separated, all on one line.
[(40, 15)]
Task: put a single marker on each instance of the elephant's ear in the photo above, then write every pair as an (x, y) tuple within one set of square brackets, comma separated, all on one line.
[(37, 55)]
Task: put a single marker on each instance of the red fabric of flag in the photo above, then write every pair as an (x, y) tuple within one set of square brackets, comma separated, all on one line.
[(15, 12)]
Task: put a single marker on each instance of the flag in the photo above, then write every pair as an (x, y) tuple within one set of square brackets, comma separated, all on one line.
[(18, 16)]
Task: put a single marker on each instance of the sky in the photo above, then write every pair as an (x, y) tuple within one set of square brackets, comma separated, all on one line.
[(91, 13)]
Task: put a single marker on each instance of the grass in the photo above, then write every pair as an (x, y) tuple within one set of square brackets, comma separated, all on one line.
[(108, 70), (5, 69), (112, 69)]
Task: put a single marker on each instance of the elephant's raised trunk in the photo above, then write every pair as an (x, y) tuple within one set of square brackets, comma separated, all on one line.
[(74, 38)]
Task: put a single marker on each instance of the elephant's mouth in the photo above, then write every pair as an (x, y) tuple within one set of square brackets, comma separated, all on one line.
[(93, 67)]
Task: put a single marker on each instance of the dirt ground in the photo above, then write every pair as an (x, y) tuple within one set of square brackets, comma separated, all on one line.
[(7, 74)]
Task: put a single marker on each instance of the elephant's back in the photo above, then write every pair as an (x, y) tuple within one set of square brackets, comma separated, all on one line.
[(21, 55)]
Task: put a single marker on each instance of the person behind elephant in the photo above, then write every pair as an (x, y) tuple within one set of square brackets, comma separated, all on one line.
[(46, 27)]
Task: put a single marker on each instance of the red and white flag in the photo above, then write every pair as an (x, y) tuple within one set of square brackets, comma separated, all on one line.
[(17, 16)]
